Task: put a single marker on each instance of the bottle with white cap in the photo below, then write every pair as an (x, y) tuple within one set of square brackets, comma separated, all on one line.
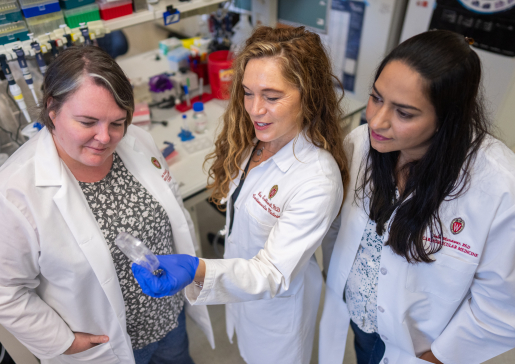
[(200, 117)]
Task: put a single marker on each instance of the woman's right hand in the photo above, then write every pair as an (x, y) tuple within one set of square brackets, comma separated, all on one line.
[(178, 271), (84, 342)]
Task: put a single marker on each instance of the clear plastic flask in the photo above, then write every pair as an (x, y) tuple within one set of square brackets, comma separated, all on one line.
[(136, 251)]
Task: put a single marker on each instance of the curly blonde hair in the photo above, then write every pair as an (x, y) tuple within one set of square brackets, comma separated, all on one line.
[(304, 64)]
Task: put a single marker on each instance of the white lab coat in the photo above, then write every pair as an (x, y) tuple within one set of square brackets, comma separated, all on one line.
[(270, 279), (56, 272), (462, 306)]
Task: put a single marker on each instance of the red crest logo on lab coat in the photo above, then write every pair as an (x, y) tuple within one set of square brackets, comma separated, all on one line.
[(156, 163), (457, 225), (273, 192)]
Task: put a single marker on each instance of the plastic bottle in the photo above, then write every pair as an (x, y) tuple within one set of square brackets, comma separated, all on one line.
[(136, 251), (200, 117)]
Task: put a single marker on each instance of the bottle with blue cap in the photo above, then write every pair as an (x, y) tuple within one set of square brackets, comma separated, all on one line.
[(200, 117)]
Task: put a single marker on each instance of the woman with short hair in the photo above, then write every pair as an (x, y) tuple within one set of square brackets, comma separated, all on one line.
[(66, 291), (423, 265)]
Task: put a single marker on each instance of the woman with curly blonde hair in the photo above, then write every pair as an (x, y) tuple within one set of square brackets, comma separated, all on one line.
[(280, 164)]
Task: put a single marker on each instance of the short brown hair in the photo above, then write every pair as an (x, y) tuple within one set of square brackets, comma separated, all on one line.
[(67, 73), (305, 64)]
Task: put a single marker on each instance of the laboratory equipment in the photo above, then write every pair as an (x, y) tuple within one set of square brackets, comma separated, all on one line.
[(31, 8), (242, 31), (53, 45), (193, 146), (170, 153), (141, 115), (187, 93), (186, 77), (72, 4), (39, 56), (136, 251), (85, 33), (220, 73), (9, 12), (161, 88), (185, 133), (45, 23), (32, 129), (13, 31), (177, 58), (114, 9), (69, 40), (168, 45), (84, 14), (15, 89), (200, 117), (26, 73)]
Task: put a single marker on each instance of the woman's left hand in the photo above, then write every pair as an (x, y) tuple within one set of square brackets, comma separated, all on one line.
[(178, 271), (429, 356)]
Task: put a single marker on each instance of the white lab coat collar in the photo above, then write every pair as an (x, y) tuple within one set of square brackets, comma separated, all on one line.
[(48, 167), (296, 149)]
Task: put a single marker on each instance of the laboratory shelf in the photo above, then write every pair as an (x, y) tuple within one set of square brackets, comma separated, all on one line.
[(156, 11), (84, 14), (72, 4)]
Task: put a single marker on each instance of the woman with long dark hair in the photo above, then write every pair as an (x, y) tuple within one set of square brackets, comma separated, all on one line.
[(423, 257)]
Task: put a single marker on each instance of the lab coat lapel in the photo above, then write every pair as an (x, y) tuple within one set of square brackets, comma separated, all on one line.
[(69, 199), (150, 176)]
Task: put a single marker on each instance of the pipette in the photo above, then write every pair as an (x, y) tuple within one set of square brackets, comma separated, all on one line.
[(69, 41), (15, 89), (85, 33), (39, 56), (53, 45), (187, 92), (25, 70)]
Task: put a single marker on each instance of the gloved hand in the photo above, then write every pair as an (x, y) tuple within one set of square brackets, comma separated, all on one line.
[(178, 271)]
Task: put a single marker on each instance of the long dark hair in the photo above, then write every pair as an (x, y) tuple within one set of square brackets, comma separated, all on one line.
[(453, 74)]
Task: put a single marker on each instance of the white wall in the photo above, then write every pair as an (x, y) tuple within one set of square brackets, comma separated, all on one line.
[(505, 119)]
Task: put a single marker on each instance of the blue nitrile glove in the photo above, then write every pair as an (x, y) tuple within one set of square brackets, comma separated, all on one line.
[(178, 271)]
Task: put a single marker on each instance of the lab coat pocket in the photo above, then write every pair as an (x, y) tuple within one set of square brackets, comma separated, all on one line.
[(100, 354), (274, 315), (447, 277), (259, 228)]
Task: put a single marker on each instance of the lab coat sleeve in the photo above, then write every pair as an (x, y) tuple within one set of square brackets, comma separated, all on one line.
[(290, 244), (329, 241), (487, 318), (22, 312)]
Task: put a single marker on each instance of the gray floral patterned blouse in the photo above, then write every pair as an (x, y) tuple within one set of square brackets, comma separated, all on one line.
[(361, 288), (120, 203)]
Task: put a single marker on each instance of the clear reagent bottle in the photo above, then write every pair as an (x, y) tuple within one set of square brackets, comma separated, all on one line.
[(200, 117)]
